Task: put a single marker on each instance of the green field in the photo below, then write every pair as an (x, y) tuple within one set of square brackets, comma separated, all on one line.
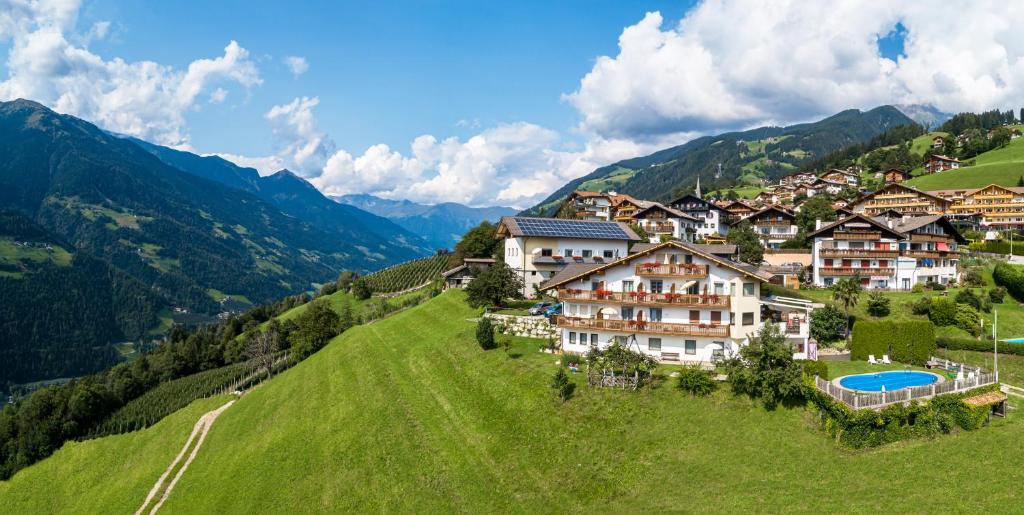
[(105, 475), (1003, 166), (923, 144), (25, 258), (746, 192), (615, 179), (408, 414)]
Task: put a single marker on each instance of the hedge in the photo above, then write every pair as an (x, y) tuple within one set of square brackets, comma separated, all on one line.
[(869, 428), (814, 368), (909, 342), (1010, 277), (963, 343)]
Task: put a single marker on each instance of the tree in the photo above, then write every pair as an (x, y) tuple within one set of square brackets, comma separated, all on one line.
[(478, 242), (485, 333), (262, 347), (827, 324), (942, 312), (746, 240), (1000, 138), (816, 208), (561, 384), (640, 231), (346, 319), (765, 368), (968, 297), (732, 195), (968, 319), (1020, 181), (878, 304), (361, 289), (847, 293), (796, 242), (696, 381), (345, 280), (314, 328), (493, 286)]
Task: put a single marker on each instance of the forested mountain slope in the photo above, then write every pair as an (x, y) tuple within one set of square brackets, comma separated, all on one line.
[(746, 157)]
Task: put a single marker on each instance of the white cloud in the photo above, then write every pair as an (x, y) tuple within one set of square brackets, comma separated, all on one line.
[(144, 99), (297, 65), (738, 63), (218, 96), (264, 165), (305, 148)]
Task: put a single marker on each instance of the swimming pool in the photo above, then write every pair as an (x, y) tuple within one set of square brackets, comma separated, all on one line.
[(892, 380)]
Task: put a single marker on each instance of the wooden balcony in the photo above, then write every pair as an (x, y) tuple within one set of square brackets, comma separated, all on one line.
[(647, 327), (857, 235), (930, 237), (928, 254), (850, 271), (682, 271), (644, 298), (860, 253), (776, 236), (773, 223), (660, 228)]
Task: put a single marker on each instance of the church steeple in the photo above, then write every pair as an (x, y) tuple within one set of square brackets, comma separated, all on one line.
[(696, 191)]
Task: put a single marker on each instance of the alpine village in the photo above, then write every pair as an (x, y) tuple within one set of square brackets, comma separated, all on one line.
[(825, 317)]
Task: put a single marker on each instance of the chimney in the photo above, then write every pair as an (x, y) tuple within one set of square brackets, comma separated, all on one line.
[(817, 224), (889, 222)]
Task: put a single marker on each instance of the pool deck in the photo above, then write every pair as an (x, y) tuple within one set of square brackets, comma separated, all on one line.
[(858, 399), (836, 380)]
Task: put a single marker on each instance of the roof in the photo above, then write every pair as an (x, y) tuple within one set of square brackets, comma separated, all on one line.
[(672, 211), (519, 226), (853, 217), (985, 399), (944, 158), (748, 270), (783, 211), (479, 260), (640, 247), (571, 270), (844, 172), (692, 197), (917, 222), (972, 191), (900, 186), (899, 171), (449, 273), (584, 193), (723, 249)]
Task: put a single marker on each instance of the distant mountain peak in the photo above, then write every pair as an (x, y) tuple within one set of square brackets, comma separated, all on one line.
[(924, 114)]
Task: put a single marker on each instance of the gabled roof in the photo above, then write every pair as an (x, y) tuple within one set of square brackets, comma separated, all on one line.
[(743, 268), (768, 209), (691, 197), (844, 172), (448, 273), (899, 186), (661, 207), (944, 158), (570, 271), (738, 203), (519, 226), (912, 224), (856, 218)]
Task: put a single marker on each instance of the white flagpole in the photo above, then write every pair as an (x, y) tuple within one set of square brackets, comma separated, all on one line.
[(995, 343)]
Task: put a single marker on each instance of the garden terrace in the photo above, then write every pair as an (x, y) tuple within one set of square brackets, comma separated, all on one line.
[(644, 298), (643, 326), (878, 400), (857, 235), (830, 270), (866, 253), (685, 271)]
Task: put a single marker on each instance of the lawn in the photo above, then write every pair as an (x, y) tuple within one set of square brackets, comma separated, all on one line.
[(408, 414), (923, 144), (105, 475), (1011, 366), (1003, 166)]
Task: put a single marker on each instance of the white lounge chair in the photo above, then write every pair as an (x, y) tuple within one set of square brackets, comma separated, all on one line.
[(886, 360), (872, 360)]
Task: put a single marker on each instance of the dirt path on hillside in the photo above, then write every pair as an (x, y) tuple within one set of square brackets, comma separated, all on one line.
[(194, 442)]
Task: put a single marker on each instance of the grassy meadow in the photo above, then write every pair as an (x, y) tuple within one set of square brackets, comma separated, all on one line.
[(408, 414), (1003, 166)]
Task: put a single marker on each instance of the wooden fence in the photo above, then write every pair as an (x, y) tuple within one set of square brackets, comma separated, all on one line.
[(877, 400)]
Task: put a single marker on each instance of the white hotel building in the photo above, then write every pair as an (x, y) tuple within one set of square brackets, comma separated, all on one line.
[(675, 301)]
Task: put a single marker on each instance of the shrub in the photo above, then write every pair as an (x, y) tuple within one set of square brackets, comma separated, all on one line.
[(1010, 277), (361, 289), (964, 343), (485, 334), (696, 381), (932, 285), (971, 278), (561, 384), (997, 295), (969, 298), (917, 288), (878, 304), (921, 306), (765, 369), (907, 342), (827, 324), (942, 312), (968, 319), (814, 368)]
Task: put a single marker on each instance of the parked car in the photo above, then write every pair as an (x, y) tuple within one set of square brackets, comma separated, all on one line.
[(539, 308), (553, 310)]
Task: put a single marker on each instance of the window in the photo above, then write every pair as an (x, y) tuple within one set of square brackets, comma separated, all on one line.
[(748, 319), (588, 253), (694, 316), (655, 314), (690, 346), (719, 289), (572, 338), (533, 272), (568, 252), (627, 312), (627, 286), (595, 285), (748, 289), (593, 339), (546, 252), (656, 286), (829, 281), (654, 344), (688, 259), (609, 254)]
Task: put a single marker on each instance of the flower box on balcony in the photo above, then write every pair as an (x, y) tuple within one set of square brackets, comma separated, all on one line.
[(577, 258), (650, 266)]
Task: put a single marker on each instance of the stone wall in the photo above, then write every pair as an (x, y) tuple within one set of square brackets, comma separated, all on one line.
[(527, 326)]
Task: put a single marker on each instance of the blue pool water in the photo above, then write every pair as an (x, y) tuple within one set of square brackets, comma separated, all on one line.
[(892, 380)]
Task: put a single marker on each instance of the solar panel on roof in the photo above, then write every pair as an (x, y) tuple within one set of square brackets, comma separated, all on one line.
[(571, 228)]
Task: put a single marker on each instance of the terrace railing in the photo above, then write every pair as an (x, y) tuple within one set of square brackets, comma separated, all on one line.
[(643, 326), (639, 297), (867, 253), (877, 400), (835, 270), (685, 271)]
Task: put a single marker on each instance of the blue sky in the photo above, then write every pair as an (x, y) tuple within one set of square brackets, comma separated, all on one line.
[(491, 103)]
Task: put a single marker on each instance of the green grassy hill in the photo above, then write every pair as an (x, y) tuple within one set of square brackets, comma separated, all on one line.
[(408, 414), (1003, 166)]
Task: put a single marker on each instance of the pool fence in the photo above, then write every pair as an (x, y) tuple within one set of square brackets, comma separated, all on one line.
[(877, 400)]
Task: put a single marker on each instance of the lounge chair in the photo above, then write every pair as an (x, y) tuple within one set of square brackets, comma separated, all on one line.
[(886, 360), (872, 360)]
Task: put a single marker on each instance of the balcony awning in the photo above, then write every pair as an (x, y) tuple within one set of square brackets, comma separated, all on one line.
[(688, 284), (941, 246)]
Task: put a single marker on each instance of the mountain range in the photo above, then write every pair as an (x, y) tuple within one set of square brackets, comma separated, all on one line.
[(441, 225), (102, 232), (730, 159)]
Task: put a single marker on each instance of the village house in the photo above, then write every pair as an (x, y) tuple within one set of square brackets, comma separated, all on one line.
[(886, 252), (625, 207), (673, 301), (538, 248), (738, 210), (938, 142), (460, 276), (838, 176), (774, 226), (939, 163), (822, 186), (895, 176), (996, 207), (798, 179), (590, 205), (902, 198), (712, 221), (659, 221)]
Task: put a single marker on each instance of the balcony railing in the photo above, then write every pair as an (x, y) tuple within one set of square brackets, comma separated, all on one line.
[(837, 270), (933, 254), (776, 236), (636, 326), (857, 235), (774, 223), (660, 227), (684, 271), (930, 237), (635, 297), (867, 253)]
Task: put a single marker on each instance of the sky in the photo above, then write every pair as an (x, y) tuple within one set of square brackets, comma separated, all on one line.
[(489, 103)]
